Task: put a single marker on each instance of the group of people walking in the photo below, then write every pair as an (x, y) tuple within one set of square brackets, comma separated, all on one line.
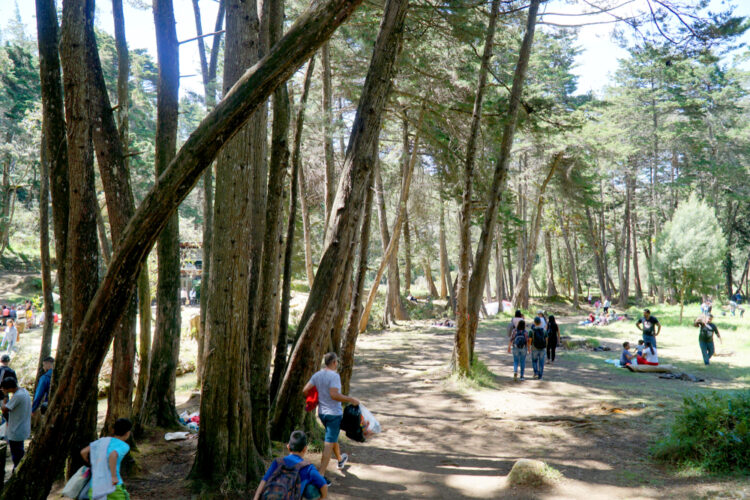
[(540, 341)]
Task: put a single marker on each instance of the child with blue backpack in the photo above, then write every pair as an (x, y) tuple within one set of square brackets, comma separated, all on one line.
[(292, 477), (538, 348), (519, 343)]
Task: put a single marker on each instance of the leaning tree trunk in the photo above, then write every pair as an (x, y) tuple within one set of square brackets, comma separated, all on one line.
[(80, 373), (83, 246), (520, 294), (54, 165), (393, 309), (445, 262), (461, 349), (352, 329), (428, 276), (226, 446), (499, 271), (358, 166), (405, 231), (263, 332), (306, 222), (484, 247), (279, 363), (159, 407)]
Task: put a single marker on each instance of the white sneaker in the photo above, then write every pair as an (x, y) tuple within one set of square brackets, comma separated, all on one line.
[(344, 459)]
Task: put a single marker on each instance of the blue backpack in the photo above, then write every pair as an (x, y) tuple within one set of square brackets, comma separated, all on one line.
[(285, 482), (520, 339)]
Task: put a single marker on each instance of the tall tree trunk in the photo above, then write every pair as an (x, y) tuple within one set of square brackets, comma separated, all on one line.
[(405, 231), (330, 186), (520, 293), (499, 271), (392, 239), (83, 247), (208, 72), (594, 241), (392, 301), (226, 446), (55, 141), (510, 270), (443, 261), (461, 346), (113, 167), (551, 290), (144, 342), (260, 357), (106, 250), (571, 256), (360, 158), (428, 276), (80, 373), (446, 271), (159, 407), (279, 364), (52, 145), (352, 330), (306, 220), (484, 247), (625, 284)]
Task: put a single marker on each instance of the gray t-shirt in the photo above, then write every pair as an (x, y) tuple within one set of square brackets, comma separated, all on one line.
[(19, 416), (323, 381)]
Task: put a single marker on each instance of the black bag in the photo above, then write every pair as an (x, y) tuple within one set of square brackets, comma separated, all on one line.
[(538, 339), (520, 339), (351, 423)]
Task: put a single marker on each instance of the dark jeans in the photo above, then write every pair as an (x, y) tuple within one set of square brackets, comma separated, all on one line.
[(16, 451), (551, 351)]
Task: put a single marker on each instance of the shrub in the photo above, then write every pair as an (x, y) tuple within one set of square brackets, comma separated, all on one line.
[(711, 432)]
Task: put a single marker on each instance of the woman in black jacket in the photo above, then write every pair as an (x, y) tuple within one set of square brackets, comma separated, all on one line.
[(553, 338)]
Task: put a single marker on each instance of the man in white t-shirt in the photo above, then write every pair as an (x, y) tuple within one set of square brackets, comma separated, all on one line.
[(328, 384)]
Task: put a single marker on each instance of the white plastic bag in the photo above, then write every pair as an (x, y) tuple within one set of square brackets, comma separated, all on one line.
[(176, 436), (3, 430), (77, 483), (372, 423)]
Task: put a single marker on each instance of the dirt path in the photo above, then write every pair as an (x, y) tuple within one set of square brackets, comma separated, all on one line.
[(444, 439)]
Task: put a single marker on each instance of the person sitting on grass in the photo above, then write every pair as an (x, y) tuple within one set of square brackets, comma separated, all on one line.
[(626, 357), (105, 457), (649, 356), (640, 347), (292, 475)]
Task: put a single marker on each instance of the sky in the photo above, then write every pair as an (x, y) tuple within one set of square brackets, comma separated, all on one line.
[(594, 65)]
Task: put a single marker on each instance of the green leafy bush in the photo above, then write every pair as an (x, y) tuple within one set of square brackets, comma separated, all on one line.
[(711, 432)]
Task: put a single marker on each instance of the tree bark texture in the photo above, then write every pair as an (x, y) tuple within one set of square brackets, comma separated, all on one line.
[(159, 408), (445, 262), (144, 341), (393, 308), (484, 246), (53, 151), (80, 373), (571, 257), (428, 276), (352, 330), (263, 332), (520, 294), (499, 270), (55, 139), (405, 231), (330, 185), (83, 245), (104, 246), (226, 448), (295, 199), (306, 219), (335, 261), (462, 360)]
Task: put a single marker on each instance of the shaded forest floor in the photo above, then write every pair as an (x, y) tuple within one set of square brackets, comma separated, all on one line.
[(447, 438)]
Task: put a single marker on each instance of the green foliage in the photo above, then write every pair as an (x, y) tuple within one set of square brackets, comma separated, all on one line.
[(691, 248), (711, 432)]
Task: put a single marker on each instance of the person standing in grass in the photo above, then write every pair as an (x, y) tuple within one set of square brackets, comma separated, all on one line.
[(9, 339), (706, 336), (519, 343), (650, 327)]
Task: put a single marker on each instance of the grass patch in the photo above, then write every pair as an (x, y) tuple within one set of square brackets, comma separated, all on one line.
[(480, 377), (711, 433)]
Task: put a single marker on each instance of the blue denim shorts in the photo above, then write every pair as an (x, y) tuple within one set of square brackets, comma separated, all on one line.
[(332, 424)]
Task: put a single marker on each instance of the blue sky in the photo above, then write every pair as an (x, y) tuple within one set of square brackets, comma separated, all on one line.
[(596, 62)]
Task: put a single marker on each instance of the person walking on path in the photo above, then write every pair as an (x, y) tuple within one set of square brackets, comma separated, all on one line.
[(330, 412), (9, 339), (650, 327), (105, 457), (553, 338), (514, 322), (519, 343), (538, 347), (706, 337), (18, 413)]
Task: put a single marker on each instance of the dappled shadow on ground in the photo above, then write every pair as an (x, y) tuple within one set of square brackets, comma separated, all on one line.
[(448, 439)]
